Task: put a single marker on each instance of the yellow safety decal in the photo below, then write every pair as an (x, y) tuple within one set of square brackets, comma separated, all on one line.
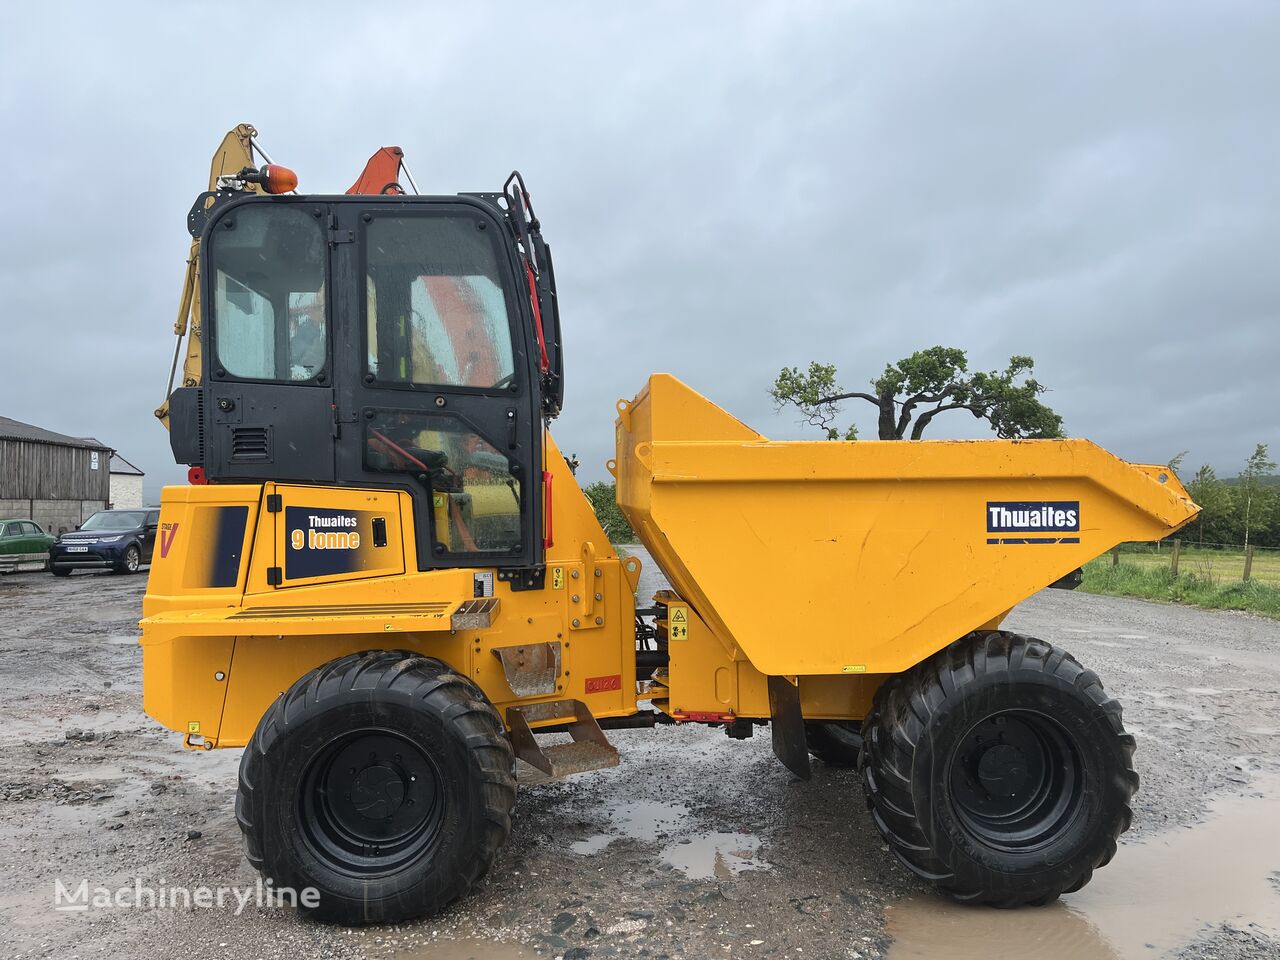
[(437, 500), (193, 726), (854, 668), (677, 623), (557, 578)]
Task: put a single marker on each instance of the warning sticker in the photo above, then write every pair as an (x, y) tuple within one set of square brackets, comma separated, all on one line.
[(677, 623), (557, 578)]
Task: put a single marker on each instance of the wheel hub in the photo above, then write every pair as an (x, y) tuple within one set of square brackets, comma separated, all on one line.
[(370, 801), (1016, 780), (377, 792), (1002, 771)]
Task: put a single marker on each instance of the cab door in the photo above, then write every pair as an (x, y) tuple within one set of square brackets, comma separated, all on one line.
[(436, 381), (268, 396)]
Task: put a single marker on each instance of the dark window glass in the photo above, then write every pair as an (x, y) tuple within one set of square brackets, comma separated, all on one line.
[(268, 293), (113, 521), (476, 502), (436, 311)]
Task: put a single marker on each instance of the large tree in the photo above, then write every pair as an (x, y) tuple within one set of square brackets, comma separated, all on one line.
[(911, 392)]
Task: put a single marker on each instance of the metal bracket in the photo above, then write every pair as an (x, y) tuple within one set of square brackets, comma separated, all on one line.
[(205, 204), (531, 669), (590, 749), (524, 578), (474, 614)]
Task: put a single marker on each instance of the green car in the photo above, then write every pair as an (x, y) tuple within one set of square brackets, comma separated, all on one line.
[(23, 546)]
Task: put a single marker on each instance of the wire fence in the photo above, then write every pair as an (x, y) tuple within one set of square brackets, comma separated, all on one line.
[(1212, 562)]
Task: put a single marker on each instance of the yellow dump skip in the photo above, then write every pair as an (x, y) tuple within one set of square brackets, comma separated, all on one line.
[(835, 557)]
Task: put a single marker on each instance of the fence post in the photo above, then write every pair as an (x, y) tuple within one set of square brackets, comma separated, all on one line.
[(1115, 556), (1248, 562), (1173, 557)]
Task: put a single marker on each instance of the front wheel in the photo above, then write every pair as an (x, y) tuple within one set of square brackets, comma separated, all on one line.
[(131, 560), (1000, 770), (384, 781)]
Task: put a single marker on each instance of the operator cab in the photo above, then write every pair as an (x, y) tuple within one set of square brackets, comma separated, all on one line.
[(404, 342)]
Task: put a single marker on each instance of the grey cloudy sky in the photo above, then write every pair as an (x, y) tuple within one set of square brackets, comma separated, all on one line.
[(728, 188)]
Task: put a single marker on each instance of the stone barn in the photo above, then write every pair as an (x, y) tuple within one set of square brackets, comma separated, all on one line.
[(53, 479)]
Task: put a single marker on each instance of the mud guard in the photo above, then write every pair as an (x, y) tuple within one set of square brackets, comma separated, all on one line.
[(790, 744)]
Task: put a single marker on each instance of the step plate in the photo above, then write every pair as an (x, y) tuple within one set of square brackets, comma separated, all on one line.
[(590, 749)]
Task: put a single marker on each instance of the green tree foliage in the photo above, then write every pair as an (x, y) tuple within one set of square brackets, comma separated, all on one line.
[(911, 392), (1216, 521), (604, 500), (1243, 509)]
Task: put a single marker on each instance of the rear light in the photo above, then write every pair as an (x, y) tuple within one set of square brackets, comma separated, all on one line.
[(196, 477)]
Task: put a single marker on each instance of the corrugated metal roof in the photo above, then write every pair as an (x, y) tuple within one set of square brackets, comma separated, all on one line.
[(17, 430)]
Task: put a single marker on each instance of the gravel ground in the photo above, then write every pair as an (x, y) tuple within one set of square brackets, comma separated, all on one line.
[(696, 846)]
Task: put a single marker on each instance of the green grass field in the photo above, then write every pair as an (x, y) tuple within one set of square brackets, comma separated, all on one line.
[(1213, 565), (1149, 578)]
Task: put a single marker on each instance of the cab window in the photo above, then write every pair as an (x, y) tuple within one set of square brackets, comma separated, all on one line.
[(437, 313), (476, 501), (268, 263)]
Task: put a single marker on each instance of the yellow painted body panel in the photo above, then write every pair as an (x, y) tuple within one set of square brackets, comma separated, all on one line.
[(217, 652), (855, 558), (708, 679)]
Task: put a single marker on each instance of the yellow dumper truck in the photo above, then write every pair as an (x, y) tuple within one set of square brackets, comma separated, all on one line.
[(385, 584)]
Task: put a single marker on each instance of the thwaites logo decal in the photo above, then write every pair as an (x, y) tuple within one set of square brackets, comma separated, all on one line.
[(321, 541), (1033, 521)]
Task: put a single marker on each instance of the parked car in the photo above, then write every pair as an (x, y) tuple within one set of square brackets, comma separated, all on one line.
[(120, 540), (23, 546)]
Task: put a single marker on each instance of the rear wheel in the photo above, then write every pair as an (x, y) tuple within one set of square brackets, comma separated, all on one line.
[(384, 780), (131, 560), (837, 743), (1000, 770)]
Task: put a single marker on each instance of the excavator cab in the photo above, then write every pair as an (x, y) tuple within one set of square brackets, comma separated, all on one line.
[(402, 342)]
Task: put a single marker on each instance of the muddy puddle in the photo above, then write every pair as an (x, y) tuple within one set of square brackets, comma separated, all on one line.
[(698, 854), (1153, 898)]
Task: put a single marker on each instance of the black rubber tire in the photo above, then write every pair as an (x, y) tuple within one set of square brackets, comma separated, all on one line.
[(60, 571), (919, 729), (837, 743), (444, 719), (131, 562)]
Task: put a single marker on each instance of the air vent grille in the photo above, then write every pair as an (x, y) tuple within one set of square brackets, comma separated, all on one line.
[(250, 444), (200, 427)]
